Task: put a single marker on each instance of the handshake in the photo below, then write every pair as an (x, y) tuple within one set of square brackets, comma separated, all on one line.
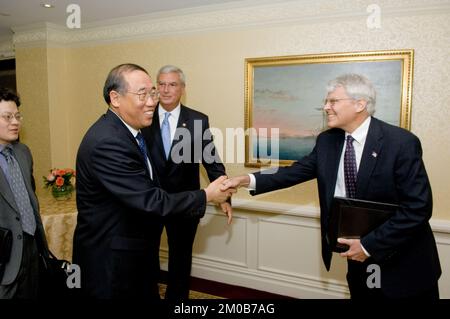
[(222, 188)]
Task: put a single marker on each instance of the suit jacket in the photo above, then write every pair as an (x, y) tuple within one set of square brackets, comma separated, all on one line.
[(10, 216), (119, 207), (192, 141), (391, 170)]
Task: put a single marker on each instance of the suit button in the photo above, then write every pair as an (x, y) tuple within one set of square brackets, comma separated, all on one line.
[(19, 237)]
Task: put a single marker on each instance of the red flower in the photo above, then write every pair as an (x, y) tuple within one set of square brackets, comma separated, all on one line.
[(59, 178), (59, 181), (60, 172)]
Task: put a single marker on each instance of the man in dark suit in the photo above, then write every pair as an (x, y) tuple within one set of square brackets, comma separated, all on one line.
[(176, 158), (119, 201), (389, 169), (19, 208)]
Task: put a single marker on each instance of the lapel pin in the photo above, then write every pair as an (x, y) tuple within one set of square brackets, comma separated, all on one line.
[(184, 124), (374, 154)]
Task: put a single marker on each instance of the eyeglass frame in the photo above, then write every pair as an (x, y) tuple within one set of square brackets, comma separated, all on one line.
[(154, 94), (334, 101), (8, 116)]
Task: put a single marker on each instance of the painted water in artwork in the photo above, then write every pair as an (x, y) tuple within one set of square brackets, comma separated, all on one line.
[(289, 97)]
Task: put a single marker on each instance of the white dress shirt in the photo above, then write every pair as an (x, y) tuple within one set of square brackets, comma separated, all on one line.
[(359, 135), (173, 119)]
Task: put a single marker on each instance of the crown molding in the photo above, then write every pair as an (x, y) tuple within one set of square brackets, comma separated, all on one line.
[(219, 17), (41, 34)]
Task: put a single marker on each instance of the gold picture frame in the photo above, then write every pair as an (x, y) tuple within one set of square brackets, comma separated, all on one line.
[(285, 92)]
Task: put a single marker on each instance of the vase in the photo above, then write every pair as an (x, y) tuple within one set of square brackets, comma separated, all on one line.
[(63, 192)]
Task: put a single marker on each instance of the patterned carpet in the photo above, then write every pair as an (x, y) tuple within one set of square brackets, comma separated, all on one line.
[(192, 294)]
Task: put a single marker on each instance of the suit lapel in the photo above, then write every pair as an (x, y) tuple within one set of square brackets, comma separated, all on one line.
[(24, 162), (183, 119), (372, 149), (157, 147), (333, 164), (6, 193), (116, 122), (185, 124)]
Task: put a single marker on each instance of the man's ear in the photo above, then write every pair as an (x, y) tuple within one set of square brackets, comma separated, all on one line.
[(361, 105), (115, 99)]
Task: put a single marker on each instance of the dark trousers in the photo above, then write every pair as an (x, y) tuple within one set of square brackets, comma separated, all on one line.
[(357, 283), (26, 284), (180, 238)]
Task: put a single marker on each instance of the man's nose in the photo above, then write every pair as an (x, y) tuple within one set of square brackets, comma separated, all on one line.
[(151, 101)]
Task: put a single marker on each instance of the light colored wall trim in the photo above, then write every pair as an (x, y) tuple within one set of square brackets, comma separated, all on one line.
[(438, 225), (41, 35), (219, 17)]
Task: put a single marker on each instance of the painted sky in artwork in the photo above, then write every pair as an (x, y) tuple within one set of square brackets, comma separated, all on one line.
[(290, 97)]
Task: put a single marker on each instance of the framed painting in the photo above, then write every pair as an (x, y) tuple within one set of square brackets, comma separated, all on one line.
[(283, 98)]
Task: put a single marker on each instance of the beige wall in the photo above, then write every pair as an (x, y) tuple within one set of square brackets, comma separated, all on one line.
[(62, 88), (32, 84)]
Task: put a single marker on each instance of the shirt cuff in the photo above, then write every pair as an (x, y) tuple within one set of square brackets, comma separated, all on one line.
[(365, 251), (252, 184)]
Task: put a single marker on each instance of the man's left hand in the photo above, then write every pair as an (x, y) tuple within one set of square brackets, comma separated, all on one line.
[(355, 251), (228, 210)]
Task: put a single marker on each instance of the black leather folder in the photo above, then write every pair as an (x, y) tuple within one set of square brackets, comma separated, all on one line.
[(354, 218)]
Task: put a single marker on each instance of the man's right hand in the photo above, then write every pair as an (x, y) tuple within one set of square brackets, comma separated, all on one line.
[(214, 191), (236, 182)]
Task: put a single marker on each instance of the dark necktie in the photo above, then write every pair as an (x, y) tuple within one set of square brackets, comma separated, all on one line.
[(350, 170), (20, 193), (165, 134), (143, 149)]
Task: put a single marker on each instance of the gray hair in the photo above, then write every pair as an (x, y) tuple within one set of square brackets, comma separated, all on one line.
[(357, 87), (172, 69)]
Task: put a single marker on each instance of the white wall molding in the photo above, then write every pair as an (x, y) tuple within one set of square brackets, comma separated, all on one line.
[(275, 247), (255, 205), (281, 283), (41, 34), (220, 17), (438, 225)]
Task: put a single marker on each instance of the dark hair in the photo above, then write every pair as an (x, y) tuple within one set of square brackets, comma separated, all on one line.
[(7, 94), (115, 80)]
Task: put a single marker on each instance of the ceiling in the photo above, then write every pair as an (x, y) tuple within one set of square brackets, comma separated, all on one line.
[(15, 13)]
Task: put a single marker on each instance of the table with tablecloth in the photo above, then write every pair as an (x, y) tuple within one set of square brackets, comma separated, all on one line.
[(59, 218)]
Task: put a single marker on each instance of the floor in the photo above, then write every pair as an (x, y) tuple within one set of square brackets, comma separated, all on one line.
[(207, 289)]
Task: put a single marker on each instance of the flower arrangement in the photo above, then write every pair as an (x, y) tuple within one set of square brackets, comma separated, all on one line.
[(60, 180)]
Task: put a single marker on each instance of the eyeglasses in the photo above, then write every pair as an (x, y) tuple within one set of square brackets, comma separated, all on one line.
[(171, 85), (9, 116), (143, 96), (334, 101)]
